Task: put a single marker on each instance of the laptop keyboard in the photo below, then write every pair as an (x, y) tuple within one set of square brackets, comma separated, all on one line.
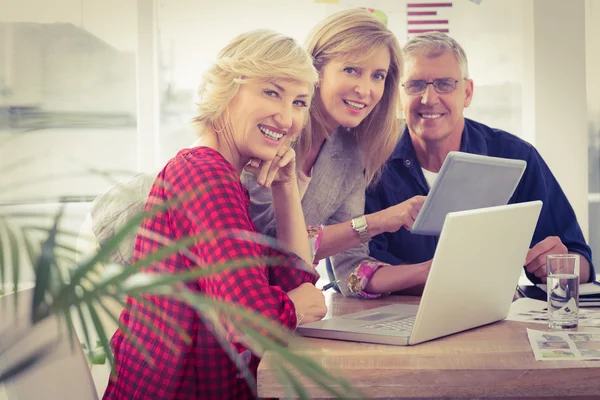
[(402, 324)]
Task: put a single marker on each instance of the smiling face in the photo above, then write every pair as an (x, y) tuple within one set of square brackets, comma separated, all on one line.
[(266, 115), (349, 91), (434, 117)]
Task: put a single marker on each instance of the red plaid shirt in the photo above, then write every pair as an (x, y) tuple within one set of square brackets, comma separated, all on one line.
[(202, 369)]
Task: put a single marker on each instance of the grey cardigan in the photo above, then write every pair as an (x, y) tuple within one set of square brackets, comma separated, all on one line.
[(336, 193)]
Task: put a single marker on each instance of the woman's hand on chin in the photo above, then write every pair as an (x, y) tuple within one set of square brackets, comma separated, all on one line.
[(281, 171)]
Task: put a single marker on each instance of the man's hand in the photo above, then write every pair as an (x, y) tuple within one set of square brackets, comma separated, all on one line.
[(535, 262)]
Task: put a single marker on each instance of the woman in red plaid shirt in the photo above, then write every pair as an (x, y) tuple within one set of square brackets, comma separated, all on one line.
[(254, 102)]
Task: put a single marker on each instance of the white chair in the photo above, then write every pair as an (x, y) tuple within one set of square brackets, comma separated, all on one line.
[(108, 213)]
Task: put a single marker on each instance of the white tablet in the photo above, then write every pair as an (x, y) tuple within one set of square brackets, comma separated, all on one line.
[(465, 182)]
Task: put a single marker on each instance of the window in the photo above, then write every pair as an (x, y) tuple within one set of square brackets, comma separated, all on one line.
[(67, 97)]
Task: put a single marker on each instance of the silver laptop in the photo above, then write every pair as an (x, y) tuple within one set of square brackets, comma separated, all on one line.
[(467, 181), (472, 280), (62, 374)]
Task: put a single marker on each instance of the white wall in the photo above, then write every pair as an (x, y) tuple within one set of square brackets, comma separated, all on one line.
[(554, 94), (592, 13)]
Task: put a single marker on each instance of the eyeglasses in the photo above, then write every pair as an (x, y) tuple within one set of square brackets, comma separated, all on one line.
[(442, 86)]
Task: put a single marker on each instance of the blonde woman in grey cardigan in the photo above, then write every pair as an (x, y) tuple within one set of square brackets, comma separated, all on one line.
[(352, 131)]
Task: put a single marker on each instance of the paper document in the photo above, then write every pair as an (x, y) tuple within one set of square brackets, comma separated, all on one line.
[(564, 345), (536, 311)]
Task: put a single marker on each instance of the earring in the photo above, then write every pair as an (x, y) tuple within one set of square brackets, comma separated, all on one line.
[(224, 125)]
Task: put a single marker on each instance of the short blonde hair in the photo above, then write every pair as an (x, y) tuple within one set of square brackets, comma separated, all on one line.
[(434, 44), (256, 55), (354, 35)]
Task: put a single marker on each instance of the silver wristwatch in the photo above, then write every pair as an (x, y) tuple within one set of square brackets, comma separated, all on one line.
[(359, 224)]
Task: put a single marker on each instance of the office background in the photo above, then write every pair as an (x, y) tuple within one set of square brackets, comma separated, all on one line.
[(109, 85)]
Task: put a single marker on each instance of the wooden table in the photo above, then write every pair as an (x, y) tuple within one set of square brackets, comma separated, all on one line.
[(493, 361)]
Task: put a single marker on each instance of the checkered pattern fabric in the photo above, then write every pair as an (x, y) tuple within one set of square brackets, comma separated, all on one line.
[(200, 369)]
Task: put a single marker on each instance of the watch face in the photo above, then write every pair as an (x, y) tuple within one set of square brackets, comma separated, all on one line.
[(359, 224)]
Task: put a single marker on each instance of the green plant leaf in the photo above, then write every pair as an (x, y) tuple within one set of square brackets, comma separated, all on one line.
[(180, 331), (15, 259), (312, 370), (297, 388), (43, 273), (29, 248), (2, 254), (67, 249), (308, 367), (247, 315), (85, 288), (127, 333), (211, 320), (70, 328), (97, 357), (101, 334), (107, 248), (89, 349), (83, 269), (159, 280), (61, 232)]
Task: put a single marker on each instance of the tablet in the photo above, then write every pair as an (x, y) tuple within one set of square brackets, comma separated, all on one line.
[(467, 181)]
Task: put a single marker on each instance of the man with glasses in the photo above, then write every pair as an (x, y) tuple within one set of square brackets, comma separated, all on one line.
[(436, 90)]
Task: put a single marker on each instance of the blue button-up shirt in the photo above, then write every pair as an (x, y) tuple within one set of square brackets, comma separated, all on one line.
[(403, 178)]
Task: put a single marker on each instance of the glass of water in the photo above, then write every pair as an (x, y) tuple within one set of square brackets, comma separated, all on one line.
[(563, 290)]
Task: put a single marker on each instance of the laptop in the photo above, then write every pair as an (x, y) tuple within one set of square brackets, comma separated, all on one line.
[(466, 182), (62, 374), (472, 280)]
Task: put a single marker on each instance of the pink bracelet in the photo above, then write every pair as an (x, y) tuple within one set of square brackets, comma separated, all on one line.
[(359, 278)]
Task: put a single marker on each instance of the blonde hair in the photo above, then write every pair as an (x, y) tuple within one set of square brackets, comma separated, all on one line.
[(354, 34), (256, 55), (434, 44)]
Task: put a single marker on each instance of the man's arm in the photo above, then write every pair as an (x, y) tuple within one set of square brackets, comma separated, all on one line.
[(557, 231), (535, 263)]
